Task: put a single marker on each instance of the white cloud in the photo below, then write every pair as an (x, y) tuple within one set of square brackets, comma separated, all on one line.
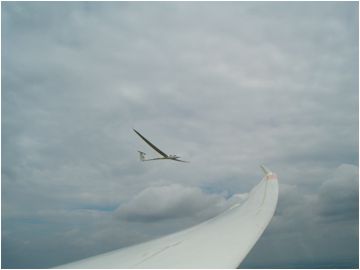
[(228, 86), (173, 201)]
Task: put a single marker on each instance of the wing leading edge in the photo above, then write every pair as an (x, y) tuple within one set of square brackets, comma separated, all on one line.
[(221, 242), (149, 143)]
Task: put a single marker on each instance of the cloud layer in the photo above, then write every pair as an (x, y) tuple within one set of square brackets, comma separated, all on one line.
[(173, 201), (227, 86), (314, 227)]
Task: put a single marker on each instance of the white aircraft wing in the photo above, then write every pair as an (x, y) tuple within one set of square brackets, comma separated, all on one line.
[(221, 242)]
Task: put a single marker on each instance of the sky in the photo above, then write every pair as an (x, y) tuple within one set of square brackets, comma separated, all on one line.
[(227, 86)]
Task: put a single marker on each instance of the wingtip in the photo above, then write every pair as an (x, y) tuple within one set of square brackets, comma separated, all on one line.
[(269, 175), (265, 170)]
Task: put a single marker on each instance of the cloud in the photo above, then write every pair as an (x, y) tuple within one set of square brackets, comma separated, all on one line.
[(171, 202), (339, 196), (326, 219), (227, 86)]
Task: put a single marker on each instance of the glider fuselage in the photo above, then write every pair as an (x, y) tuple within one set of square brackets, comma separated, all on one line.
[(164, 156)]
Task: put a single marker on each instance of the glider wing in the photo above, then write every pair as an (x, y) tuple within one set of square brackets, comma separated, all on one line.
[(149, 143), (221, 242), (182, 160)]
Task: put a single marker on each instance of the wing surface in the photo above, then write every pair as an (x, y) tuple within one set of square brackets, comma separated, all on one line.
[(221, 242), (149, 143), (155, 159), (181, 160)]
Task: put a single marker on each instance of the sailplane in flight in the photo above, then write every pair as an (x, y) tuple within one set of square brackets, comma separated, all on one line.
[(164, 156)]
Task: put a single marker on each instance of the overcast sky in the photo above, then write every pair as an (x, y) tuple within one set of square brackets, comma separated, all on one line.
[(227, 86)]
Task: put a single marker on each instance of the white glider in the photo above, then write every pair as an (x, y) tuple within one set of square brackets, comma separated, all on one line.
[(221, 242), (164, 156)]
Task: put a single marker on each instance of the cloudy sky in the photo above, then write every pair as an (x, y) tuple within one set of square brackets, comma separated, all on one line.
[(227, 86)]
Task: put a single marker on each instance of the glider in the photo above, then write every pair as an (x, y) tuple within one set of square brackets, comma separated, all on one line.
[(164, 156), (220, 242)]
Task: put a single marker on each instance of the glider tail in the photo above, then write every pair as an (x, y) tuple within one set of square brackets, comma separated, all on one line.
[(142, 156)]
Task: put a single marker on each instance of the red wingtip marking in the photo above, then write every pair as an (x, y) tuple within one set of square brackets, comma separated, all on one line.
[(271, 176)]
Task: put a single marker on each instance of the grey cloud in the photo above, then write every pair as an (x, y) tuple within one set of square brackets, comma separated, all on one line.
[(228, 86), (313, 217), (339, 196)]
